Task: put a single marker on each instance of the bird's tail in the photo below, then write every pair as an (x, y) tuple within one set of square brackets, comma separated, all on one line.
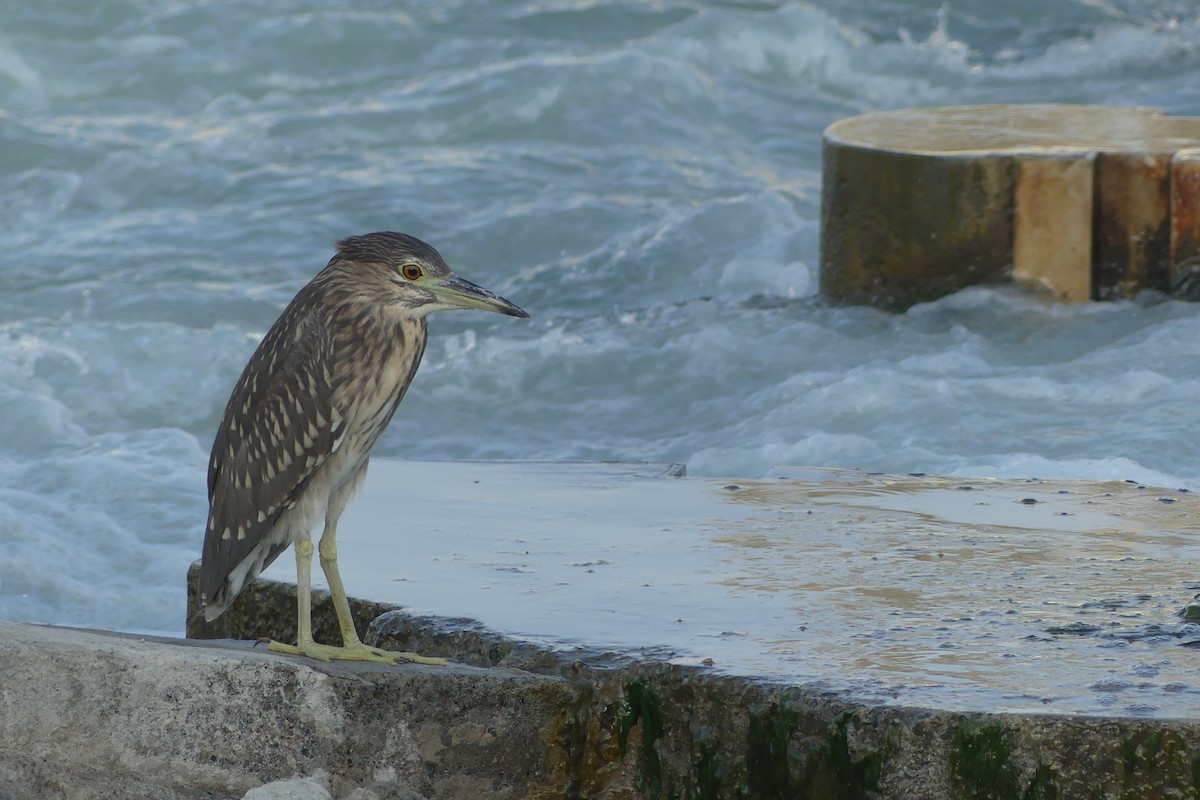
[(217, 591)]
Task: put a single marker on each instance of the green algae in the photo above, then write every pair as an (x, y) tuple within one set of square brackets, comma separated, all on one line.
[(675, 744), (831, 770), (710, 774), (575, 739), (982, 768), (770, 765), (642, 704), (1142, 753), (828, 771), (981, 764), (1044, 785), (1158, 763), (785, 758)]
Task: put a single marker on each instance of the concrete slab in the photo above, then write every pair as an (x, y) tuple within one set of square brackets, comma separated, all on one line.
[(966, 595)]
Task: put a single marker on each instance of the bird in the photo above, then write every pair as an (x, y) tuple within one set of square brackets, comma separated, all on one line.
[(295, 440)]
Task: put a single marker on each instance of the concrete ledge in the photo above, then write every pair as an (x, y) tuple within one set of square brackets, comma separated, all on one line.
[(87, 714)]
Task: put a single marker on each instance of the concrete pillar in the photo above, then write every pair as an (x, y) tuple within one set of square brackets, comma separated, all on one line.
[(1086, 202)]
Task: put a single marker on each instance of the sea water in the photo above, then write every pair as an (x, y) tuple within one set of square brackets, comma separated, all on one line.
[(643, 178)]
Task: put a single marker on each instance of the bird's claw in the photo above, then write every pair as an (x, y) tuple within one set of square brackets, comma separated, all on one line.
[(359, 652)]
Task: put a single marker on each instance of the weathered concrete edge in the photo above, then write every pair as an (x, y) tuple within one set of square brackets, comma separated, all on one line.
[(95, 714), (89, 714), (1157, 130), (647, 728)]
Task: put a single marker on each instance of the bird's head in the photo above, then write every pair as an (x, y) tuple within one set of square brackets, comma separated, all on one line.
[(413, 277)]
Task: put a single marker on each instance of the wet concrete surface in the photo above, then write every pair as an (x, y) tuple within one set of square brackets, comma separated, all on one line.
[(954, 594)]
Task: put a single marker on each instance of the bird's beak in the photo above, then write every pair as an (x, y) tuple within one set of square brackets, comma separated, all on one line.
[(460, 293)]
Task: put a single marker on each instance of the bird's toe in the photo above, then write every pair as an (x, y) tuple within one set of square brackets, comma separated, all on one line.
[(359, 652)]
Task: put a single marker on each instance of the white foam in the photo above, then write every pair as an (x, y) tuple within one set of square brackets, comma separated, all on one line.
[(1032, 465), (36, 198), (101, 535), (24, 82)]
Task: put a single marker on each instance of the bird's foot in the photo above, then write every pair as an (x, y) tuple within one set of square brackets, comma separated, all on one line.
[(358, 652)]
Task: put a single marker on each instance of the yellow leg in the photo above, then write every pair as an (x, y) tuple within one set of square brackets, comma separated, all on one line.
[(328, 550), (352, 648), (304, 637)]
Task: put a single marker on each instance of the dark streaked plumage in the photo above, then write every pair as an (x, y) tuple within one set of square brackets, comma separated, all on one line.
[(293, 444)]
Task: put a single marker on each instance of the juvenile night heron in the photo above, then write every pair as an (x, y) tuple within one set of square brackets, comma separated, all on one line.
[(297, 433)]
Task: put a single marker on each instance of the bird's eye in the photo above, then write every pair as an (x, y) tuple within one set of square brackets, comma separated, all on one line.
[(411, 271)]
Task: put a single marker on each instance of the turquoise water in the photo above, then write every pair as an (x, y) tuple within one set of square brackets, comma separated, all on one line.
[(642, 178)]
